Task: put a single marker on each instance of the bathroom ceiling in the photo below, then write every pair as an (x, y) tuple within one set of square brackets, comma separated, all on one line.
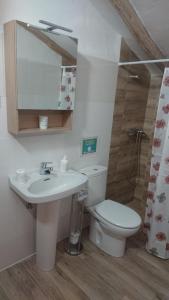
[(154, 14)]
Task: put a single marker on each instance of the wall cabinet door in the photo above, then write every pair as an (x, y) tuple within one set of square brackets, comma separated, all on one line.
[(46, 69)]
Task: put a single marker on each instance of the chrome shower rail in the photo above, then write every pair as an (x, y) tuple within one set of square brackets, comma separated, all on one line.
[(140, 62)]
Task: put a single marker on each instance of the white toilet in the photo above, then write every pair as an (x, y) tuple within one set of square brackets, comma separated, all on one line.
[(111, 222)]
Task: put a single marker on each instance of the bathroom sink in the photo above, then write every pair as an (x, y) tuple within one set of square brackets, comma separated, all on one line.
[(46, 191), (45, 188), (46, 184)]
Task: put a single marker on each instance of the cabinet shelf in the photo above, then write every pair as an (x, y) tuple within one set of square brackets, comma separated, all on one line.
[(38, 131), (58, 122)]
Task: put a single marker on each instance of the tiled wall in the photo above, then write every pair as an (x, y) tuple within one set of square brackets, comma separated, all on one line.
[(98, 53), (129, 112), (135, 106)]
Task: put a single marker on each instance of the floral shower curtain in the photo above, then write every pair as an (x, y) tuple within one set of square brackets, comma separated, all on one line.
[(67, 89), (157, 210)]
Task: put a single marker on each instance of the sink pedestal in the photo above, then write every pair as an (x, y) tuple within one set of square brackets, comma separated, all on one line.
[(46, 234), (47, 191)]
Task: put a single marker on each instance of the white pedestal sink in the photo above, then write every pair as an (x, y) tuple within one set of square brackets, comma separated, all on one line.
[(47, 191), (46, 234)]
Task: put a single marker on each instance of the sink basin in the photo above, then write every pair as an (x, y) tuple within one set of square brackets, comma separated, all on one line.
[(45, 188), (46, 191), (46, 185)]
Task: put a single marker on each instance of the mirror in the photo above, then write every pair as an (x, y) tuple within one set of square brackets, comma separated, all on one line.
[(46, 69)]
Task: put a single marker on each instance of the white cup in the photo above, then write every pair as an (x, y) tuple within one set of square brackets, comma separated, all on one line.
[(20, 175), (43, 122)]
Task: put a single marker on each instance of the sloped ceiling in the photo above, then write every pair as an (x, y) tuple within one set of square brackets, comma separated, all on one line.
[(155, 16)]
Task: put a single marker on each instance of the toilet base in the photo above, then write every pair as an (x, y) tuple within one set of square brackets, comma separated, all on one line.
[(104, 239)]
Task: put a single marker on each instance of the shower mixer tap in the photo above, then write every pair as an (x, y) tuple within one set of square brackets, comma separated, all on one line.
[(135, 132)]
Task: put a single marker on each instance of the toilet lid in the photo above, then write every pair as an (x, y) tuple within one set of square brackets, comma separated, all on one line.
[(118, 214)]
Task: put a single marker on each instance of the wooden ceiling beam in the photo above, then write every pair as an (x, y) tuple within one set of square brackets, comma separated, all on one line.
[(137, 28)]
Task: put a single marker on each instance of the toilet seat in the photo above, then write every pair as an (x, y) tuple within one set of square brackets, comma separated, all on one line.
[(111, 223), (118, 214)]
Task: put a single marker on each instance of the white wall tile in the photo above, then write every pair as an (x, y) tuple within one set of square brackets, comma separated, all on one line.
[(99, 47)]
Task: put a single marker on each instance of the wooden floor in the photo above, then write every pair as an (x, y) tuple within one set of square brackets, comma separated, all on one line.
[(92, 275)]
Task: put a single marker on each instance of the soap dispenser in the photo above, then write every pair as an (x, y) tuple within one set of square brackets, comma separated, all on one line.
[(64, 164)]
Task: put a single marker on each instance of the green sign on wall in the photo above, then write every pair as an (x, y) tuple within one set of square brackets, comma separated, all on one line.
[(89, 145)]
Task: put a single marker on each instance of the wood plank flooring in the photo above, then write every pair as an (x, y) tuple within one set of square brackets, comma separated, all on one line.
[(93, 275)]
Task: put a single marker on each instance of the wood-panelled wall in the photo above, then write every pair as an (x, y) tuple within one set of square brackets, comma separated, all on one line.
[(129, 112)]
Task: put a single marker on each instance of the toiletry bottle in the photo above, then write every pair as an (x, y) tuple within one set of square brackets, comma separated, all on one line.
[(64, 164)]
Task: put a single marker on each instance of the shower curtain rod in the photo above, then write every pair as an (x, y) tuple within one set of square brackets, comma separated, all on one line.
[(139, 62)]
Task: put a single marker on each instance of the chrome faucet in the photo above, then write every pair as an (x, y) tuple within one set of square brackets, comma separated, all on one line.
[(45, 168)]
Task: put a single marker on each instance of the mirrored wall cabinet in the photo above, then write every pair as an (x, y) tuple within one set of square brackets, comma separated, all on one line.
[(40, 78)]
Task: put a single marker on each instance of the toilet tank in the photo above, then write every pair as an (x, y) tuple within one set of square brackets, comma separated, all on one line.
[(97, 177)]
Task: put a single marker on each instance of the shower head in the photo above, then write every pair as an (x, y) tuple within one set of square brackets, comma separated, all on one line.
[(134, 76)]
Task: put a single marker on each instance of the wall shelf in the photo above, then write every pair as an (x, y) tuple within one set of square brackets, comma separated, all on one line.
[(28, 122), (37, 131)]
